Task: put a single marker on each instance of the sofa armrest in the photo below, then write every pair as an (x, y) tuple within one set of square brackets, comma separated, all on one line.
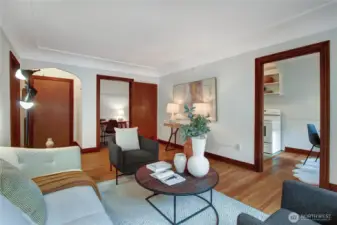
[(115, 155), (149, 145), (306, 199), (38, 162), (245, 219)]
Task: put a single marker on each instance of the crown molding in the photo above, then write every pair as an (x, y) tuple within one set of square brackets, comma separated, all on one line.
[(95, 58), (73, 59)]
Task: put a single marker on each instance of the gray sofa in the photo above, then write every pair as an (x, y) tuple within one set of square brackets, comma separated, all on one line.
[(319, 206), (128, 162)]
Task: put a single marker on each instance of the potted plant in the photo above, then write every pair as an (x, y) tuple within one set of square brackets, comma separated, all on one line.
[(197, 130)]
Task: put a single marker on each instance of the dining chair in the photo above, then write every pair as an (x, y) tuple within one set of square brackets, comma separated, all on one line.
[(314, 139), (109, 129)]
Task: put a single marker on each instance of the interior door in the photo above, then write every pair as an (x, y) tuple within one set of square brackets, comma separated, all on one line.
[(52, 114), (144, 108)]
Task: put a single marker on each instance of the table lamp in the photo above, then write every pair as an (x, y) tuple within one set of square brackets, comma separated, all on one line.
[(172, 108), (120, 114)]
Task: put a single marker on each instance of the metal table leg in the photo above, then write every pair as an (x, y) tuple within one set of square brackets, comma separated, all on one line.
[(174, 222), (173, 134)]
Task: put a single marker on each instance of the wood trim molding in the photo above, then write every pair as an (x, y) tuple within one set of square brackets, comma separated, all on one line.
[(323, 48), (71, 105), (14, 88), (76, 144), (105, 77), (100, 77), (230, 161), (333, 187), (177, 146), (89, 150), (300, 151)]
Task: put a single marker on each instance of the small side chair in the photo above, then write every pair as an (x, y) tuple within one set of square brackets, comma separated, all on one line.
[(314, 140), (128, 162)]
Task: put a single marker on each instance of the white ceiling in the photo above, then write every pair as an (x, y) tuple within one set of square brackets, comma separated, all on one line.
[(157, 37)]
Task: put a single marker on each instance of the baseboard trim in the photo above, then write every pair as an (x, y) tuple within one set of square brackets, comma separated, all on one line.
[(89, 150), (177, 146), (230, 161), (300, 151), (333, 187)]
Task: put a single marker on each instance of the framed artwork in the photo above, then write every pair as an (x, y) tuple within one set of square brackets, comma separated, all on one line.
[(200, 93)]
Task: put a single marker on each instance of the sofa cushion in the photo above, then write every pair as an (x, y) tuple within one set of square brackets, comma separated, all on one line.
[(135, 157), (281, 217), (77, 205), (22, 192), (10, 214)]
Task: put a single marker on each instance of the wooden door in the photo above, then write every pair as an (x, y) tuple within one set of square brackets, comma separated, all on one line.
[(144, 109), (52, 114)]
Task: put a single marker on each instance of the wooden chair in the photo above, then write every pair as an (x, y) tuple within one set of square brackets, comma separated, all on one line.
[(109, 129)]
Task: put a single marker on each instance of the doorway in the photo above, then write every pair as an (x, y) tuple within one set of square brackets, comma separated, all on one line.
[(142, 107), (53, 113), (322, 49), (102, 111)]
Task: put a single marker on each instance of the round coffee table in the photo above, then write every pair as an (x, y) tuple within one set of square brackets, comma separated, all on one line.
[(191, 187)]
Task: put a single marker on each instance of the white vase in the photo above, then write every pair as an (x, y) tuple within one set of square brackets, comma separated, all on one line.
[(49, 143), (180, 162), (198, 164)]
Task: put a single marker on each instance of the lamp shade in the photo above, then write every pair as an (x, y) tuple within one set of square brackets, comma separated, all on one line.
[(24, 74), (27, 102), (20, 75), (121, 112), (172, 108), (203, 109)]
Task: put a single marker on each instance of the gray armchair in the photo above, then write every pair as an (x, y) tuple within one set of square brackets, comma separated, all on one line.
[(128, 162), (318, 205)]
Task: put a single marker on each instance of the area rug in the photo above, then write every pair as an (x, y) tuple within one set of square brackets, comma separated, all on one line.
[(308, 173), (126, 205)]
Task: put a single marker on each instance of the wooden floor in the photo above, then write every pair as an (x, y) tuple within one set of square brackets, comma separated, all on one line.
[(259, 190)]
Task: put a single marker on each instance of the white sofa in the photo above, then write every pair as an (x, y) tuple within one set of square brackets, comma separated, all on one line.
[(74, 206)]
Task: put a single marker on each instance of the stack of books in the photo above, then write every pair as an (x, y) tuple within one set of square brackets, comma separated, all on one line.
[(162, 172)]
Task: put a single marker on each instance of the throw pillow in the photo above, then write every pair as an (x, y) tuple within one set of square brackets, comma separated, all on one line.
[(22, 192), (127, 138)]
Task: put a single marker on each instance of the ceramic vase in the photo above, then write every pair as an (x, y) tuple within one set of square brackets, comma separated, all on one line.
[(198, 164), (180, 162), (50, 143)]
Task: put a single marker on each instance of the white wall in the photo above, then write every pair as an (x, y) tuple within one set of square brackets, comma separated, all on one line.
[(5, 48), (114, 97), (88, 81), (235, 80), (300, 101), (53, 72)]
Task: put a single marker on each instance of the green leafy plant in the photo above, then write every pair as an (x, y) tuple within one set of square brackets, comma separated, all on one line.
[(198, 125)]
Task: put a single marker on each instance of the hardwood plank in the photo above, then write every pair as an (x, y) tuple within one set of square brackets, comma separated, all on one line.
[(259, 190)]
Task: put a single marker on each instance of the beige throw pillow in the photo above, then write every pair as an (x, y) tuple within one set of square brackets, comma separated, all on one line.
[(22, 192), (127, 138)]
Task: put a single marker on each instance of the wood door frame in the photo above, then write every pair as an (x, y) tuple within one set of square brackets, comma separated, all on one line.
[(323, 48), (14, 89), (100, 77), (71, 106)]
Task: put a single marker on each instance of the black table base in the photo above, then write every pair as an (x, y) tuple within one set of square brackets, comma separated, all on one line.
[(174, 222)]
